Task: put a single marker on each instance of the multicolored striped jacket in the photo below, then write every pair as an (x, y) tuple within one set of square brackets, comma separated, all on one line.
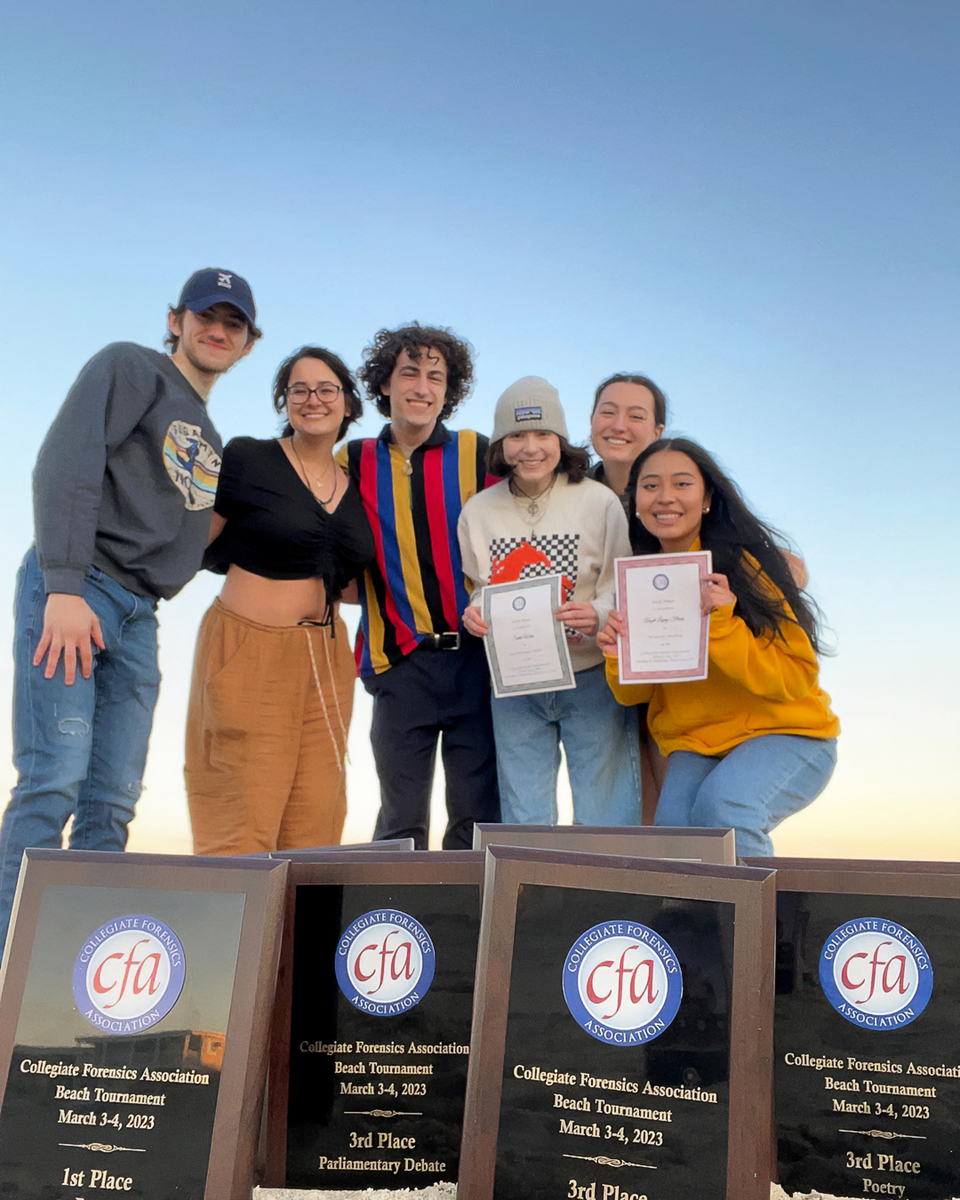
[(415, 584)]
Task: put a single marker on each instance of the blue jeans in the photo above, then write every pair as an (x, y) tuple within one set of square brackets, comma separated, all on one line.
[(751, 790), (79, 751), (601, 742)]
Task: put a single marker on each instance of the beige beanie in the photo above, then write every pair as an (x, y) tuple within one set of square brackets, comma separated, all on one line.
[(530, 403)]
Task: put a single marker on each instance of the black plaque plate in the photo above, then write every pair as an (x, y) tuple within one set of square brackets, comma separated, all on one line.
[(622, 1031), (867, 1050), (135, 1000), (372, 1035), (637, 841)]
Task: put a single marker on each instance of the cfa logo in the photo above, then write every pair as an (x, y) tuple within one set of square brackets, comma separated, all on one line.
[(876, 973), (385, 962), (129, 974), (622, 983)]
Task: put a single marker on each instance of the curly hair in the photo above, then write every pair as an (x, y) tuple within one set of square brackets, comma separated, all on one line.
[(728, 530), (380, 358), (574, 460), (351, 397)]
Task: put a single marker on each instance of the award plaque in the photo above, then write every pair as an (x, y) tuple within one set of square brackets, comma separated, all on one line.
[(867, 1013), (633, 841), (371, 1033), (401, 844), (134, 1013), (622, 1031)]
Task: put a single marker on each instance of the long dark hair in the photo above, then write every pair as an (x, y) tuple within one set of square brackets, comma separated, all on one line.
[(727, 530), (353, 405)]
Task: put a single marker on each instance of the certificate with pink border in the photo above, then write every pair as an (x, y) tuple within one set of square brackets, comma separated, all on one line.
[(665, 636)]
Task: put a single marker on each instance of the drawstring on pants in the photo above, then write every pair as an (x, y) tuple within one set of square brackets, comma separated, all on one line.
[(323, 703)]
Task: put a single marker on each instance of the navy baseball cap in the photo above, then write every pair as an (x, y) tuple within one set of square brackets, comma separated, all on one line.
[(212, 286)]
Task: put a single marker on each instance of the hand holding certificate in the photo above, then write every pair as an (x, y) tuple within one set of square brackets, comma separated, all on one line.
[(525, 643), (665, 633)]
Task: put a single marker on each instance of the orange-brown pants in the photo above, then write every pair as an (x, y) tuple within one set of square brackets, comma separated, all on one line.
[(266, 735)]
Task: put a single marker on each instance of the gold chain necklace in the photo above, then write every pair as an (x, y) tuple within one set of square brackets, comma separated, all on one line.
[(319, 499)]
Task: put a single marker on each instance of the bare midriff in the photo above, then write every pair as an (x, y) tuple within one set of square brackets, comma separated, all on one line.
[(273, 601)]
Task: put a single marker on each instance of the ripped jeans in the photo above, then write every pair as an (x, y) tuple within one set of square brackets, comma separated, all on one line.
[(79, 751)]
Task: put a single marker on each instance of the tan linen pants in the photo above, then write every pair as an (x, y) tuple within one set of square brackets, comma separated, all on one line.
[(267, 729)]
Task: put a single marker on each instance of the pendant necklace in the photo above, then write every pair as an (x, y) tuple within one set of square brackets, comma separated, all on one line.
[(533, 502), (319, 499)]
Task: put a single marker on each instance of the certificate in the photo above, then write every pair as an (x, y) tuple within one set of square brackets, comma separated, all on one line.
[(665, 635), (526, 644)]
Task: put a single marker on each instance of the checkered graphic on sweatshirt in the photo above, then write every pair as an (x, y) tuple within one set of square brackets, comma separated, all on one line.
[(559, 548)]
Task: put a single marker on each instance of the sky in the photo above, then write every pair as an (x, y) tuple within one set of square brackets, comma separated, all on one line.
[(753, 203)]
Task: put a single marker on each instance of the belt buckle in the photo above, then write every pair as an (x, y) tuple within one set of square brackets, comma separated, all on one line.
[(447, 640)]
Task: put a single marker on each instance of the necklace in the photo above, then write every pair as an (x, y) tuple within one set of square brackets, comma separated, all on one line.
[(533, 502), (323, 503)]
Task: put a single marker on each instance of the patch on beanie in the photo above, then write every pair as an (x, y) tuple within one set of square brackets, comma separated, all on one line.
[(532, 412)]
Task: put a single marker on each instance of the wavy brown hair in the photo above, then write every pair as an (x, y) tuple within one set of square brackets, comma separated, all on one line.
[(574, 460)]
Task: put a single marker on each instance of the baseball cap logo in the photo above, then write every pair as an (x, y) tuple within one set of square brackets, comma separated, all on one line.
[(223, 280)]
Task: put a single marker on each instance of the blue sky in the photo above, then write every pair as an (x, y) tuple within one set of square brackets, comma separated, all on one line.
[(754, 203)]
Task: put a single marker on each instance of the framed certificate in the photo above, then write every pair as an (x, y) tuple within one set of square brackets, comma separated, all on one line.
[(665, 635), (526, 644)]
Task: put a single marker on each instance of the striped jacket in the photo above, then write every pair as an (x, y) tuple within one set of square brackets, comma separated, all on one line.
[(415, 584)]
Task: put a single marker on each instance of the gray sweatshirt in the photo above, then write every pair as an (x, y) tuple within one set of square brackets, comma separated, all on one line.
[(126, 477)]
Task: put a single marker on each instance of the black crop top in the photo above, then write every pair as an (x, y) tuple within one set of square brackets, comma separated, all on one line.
[(276, 527)]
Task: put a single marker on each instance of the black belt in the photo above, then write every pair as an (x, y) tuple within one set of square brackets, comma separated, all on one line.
[(440, 641)]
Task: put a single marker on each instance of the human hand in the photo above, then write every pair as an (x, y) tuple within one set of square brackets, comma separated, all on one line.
[(607, 637), (474, 623), (579, 616), (715, 593), (69, 625)]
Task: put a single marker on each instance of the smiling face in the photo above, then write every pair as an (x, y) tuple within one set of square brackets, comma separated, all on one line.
[(211, 341), (416, 389), (533, 456), (317, 415), (671, 499), (624, 422)]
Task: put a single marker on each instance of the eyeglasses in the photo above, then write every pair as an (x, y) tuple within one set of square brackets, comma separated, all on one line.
[(299, 393)]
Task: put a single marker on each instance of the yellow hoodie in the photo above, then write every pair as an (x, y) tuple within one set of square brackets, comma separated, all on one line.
[(755, 686)]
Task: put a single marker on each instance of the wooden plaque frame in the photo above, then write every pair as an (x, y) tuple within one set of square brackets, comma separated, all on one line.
[(750, 890), (625, 841), (354, 867), (233, 1149)]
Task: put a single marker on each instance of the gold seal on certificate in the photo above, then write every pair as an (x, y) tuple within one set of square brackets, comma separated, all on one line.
[(665, 635), (526, 644)]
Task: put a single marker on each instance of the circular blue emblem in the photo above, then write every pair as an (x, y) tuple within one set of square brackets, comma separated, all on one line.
[(519, 602), (385, 962), (128, 974), (622, 983), (875, 973), (660, 582)]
